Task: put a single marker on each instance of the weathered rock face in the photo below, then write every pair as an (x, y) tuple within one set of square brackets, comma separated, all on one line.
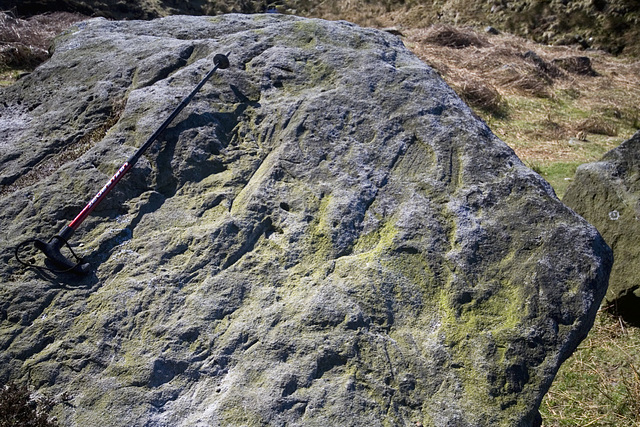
[(326, 235), (607, 194)]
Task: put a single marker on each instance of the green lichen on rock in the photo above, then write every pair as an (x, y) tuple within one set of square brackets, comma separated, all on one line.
[(326, 235)]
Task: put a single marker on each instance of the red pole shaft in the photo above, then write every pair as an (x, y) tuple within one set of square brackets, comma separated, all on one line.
[(100, 195), (220, 61)]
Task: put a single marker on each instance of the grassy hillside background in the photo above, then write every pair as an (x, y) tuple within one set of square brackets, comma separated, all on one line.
[(559, 83), (612, 25)]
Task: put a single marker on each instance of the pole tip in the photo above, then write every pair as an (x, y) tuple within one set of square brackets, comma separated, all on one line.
[(221, 61)]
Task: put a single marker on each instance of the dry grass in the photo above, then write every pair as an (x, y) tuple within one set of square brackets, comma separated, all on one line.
[(600, 384), (580, 65), (453, 37), (24, 43), (608, 25), (597, 125), (19, 408), (481, 95), (499, 62), (549, 103)]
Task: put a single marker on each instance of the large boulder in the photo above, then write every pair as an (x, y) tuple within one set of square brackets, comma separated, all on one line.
[(607, 194), (326, 235)]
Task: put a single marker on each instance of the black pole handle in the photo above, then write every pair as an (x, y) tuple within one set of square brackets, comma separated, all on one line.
[(51, 250), (57, 262)]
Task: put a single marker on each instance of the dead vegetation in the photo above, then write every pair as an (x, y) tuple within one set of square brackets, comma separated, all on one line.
[(24, 43), (18, 408), (550, 103), (456, 38), (503, 62), (598, 126), (600, 384), (610, 25), (482, 95)]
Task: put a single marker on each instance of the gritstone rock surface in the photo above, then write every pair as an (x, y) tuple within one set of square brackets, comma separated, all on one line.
[(326, 235), (607, 194)]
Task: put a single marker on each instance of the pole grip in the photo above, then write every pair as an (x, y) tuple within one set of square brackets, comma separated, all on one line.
[(51, 250)]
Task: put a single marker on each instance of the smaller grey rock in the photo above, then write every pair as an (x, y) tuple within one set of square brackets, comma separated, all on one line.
[(607, 194), (393, 30), (491, 30)]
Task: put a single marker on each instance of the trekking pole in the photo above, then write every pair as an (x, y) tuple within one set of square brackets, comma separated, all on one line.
[(51, 249)]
